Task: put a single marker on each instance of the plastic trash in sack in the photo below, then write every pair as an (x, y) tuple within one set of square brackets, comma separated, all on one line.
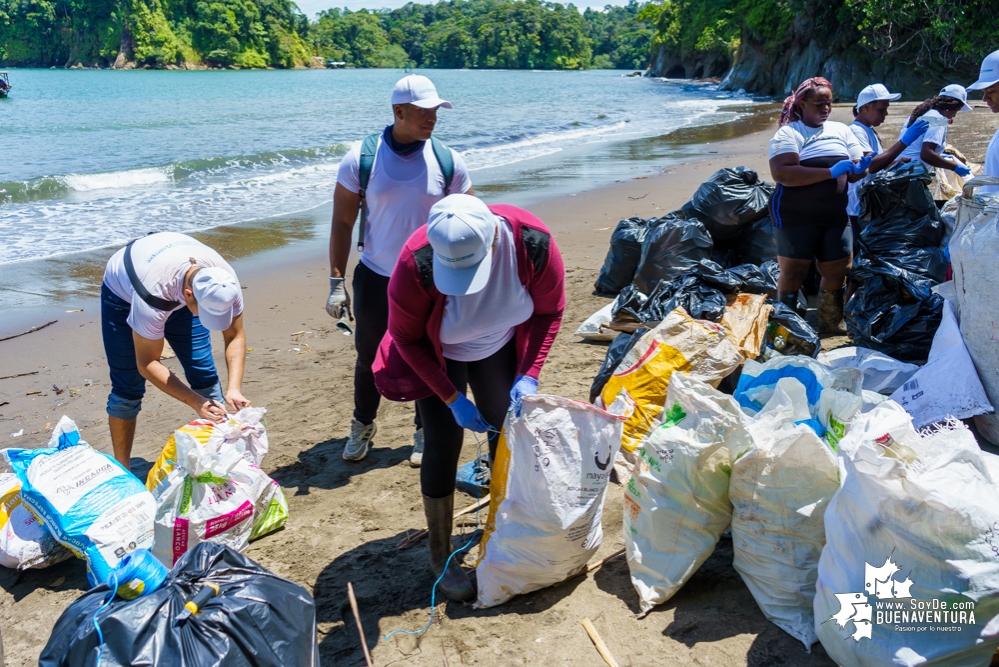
[(550, 479), (789, 334), (910, 542), (593, 327), (676, 503), (882, 373), (779, 492), (256, 618), (948, 385), (672, 247), (893, 311), (622, 257), (615, 353), (24, 542), (213, 494), (756, 243), (697, 348), (86, 499), (732, 198)]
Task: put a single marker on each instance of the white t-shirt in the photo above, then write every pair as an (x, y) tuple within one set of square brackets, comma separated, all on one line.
[(869, 143), (935, 135), (992, 165), (478, 325), (832, 139), (401, 191), (161, 261)]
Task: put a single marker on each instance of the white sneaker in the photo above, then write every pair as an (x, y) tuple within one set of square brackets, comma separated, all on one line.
[(416, 458), (359, 441)]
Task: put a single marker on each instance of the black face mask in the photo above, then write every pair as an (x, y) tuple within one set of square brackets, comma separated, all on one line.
[(400, 149)]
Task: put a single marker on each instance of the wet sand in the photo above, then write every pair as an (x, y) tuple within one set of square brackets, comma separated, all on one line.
[(347, 518)]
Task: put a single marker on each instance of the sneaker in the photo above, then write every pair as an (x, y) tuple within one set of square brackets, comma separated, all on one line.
[(359, 441), (416, 458)]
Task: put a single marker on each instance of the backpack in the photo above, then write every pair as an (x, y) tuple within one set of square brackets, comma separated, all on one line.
[(367, 162)]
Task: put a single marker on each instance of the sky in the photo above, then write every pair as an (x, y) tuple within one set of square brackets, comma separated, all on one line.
[(312, 7)]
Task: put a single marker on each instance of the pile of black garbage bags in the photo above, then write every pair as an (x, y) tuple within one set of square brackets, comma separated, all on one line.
[(902, 255)]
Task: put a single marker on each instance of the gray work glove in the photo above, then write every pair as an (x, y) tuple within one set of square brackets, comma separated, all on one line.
[(338, 303)]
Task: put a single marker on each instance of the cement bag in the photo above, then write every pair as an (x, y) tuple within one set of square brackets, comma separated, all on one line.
[(213, 494), (697, 348), (24, 541), (910, 571), (882, 373), (948, 385), (779, 491), (547, 496), (973, 250), (593, 328), (86, 499), (676, 505)]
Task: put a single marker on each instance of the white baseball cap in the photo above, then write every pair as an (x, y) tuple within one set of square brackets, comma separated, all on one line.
[(418, 91), (958, 92), (989, 74), (461, 230), (215, 290), (875, 93)]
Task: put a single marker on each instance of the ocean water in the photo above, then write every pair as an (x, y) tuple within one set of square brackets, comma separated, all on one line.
[(95, 158)]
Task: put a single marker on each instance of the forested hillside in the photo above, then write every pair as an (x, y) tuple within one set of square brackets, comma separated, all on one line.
[(273, 33)]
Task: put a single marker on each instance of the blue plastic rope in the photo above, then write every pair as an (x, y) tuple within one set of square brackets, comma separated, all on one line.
[(97, 625), (433, 590)]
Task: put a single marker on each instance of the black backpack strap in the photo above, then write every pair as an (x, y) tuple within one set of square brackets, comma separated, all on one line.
[(425, 263), (140, 289), (537, 244)]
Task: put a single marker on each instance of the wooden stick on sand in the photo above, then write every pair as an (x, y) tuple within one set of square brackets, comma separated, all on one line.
[(420, 534), (31, 330), (357, 619), (599, 643)]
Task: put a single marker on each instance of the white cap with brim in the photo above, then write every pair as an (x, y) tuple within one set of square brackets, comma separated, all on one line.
[(461, 230), (876, 92), (958, 92), (419, 91), (216, 291), (988, 76)]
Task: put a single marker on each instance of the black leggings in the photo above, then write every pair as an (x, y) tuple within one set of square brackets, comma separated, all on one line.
[(491, 380)]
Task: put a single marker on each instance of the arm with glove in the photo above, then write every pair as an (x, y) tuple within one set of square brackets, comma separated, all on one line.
[(346, 204)]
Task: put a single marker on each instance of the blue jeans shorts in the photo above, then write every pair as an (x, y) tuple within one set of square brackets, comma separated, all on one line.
[(189, 339)]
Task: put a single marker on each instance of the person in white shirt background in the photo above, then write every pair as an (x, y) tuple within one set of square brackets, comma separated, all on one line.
[(939, 111), (406, 180), (988, 83)]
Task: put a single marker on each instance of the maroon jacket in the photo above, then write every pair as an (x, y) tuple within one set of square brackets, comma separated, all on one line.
[(410, 364)]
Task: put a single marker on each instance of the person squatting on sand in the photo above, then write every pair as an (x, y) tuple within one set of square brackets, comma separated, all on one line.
[(812, 158), (988, 83), (406, 179), (939, 111), (171, 286), (476, 300)]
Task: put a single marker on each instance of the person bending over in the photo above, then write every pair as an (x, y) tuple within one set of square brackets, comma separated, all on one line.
[(475, 300), (812, 159), (939, 112)]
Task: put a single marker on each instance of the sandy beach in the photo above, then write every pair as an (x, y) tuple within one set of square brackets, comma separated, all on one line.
[(346, 519)]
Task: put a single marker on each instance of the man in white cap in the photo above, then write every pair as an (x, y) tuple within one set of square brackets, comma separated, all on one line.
[(392, 179), (988, 83), (169, 286)]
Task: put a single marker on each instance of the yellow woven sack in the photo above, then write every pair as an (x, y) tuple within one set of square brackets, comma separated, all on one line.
[(201, 429)]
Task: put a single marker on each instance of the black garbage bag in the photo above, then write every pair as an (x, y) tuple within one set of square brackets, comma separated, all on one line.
[(929, 263), (754, 281), (672, 247), (902, 189), (622, 257), (890, 233), (691, 292), (628, 306), (756, 243), (732, 198), (724, 255), (788, 333), (257, 620), (619, 347), (893, 311)]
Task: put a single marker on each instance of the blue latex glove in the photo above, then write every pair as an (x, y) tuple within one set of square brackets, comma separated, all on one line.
[(961, 169), (917, 130), (468, 416), (863, 165), (525, 385), (842, 167)]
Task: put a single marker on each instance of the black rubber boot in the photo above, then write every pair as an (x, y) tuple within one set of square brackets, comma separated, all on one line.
[(440, 514), (830, 311), (791, 301)]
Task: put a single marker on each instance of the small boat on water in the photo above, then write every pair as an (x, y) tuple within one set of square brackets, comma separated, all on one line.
[(4, 84)]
